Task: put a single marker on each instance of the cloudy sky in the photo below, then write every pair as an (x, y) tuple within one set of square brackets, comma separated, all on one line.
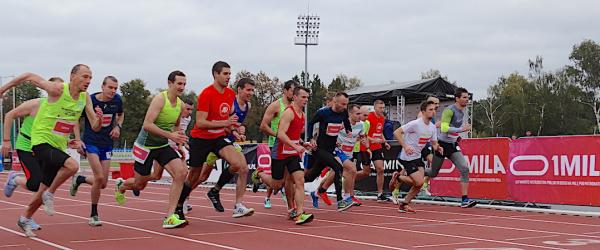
[(472, 42)]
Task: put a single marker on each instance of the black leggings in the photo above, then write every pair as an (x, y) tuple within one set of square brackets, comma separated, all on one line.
[(322, 159)]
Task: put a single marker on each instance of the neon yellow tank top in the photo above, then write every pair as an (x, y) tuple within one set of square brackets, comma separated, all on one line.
[(24, 137), (275, 121), (54, 122), (166, 121)]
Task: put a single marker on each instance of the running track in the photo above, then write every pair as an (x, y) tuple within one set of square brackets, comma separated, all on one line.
[(137, 225)]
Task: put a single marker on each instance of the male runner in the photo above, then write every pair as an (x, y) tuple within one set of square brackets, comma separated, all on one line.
[(269, 125), (376, 140), (98, 145), (32, 173), (288, 149), (344, 153), (413, 137), (331, 120), (215, 104), (152, 145), (50, 132), (452, 125)]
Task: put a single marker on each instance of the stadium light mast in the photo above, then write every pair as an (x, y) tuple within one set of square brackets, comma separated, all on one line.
[(307, 34)]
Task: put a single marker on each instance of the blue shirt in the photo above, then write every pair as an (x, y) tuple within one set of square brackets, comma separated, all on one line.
[(109, 109), (330, 125), (241, 114)]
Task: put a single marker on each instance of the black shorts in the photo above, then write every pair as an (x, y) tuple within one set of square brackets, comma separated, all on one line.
[(50, 160), (200, 148), (162, 155), (449, 149), (377, 155), (31, 168), (292, 164), (363, 158), (412, 166), (426, 151)]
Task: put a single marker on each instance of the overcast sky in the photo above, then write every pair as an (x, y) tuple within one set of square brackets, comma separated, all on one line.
[(472, 42)]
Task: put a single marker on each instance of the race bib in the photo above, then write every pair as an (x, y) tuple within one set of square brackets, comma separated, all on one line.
[(453, 135), (140, 153), (106, 120), (347, 148), (333, 129), (424, 139), (63, 128), (289, 150)]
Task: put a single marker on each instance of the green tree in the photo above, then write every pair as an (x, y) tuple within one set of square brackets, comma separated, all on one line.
[(136, 99), (585, 72)]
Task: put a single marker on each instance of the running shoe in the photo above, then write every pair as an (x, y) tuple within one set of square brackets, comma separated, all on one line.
[(467, 203), (267, 203), (425, 189), (213, 196), (396, 196), (34, 225), (241, 211), (325, 198), (382, 198), (315, 199), (292, 214), (48, 202), (74, 185), (184, 207), (188, 207), (304, 218), (356, 201), (25, 225), (120, 197), (283, 195), (10, 186), (173, 221), (95, 221), (135, 192), (180, 214), (344, 204), (405, 208)]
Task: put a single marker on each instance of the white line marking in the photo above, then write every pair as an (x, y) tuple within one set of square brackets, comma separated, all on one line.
[(115, 239), (446, 244), (232, 232), (52, 244), (533, 237)]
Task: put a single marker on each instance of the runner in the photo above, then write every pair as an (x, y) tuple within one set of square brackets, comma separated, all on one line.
[(288, 149), (241, 103), (331, 120), (215, 104), (413, 137), (32, 175), (152, 145), (50, 132), (98, 145), (376, 140), (269, 126), (344, 154), (452, 125), (426, 155), (362, 153)]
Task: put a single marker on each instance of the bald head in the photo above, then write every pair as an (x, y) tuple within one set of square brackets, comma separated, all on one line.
[(364, 113)]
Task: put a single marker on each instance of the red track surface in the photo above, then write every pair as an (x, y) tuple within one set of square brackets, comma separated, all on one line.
[(137, 225)]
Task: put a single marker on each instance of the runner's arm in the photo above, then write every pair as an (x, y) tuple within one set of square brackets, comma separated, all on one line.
[(153, 110), (265, 124), (94, 115), (446, 119), (52, 88), (316, 119)]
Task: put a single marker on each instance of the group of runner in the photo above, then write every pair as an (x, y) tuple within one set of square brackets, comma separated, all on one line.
[(343, 138)]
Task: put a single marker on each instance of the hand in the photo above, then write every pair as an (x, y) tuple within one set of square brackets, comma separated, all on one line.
[(313, 143), (466, 127), (233, 120), (6, 148), (178, 137), (363, 140), (77, 145), (299, 148), (438, 124), (387, 146), (115, 133), (440, 150), (99, 112), (181, 152), (408, 150)]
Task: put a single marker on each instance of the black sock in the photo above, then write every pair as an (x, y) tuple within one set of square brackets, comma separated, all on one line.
[(223, 179), (94, 210), (322, 190), (185, 192), (464, 198), (80, 179)]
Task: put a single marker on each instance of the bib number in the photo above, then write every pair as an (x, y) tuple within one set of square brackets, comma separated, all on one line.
[(140, 153)]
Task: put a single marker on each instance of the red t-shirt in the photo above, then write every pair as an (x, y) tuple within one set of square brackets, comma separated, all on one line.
[(294, 131), (376, 129), (218, 106)]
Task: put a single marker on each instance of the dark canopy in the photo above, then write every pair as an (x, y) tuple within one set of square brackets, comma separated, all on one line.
[(413, 91)]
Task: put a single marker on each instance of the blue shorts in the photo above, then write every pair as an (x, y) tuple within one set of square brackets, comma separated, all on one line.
[(340, 154), (104, 153)]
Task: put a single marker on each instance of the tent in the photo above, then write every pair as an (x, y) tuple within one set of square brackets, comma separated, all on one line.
[(402, 93)]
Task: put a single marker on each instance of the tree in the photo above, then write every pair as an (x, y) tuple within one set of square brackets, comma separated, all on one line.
[(23, 92), (585, 72), (136, 99), (491, 109), (341, 82)]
